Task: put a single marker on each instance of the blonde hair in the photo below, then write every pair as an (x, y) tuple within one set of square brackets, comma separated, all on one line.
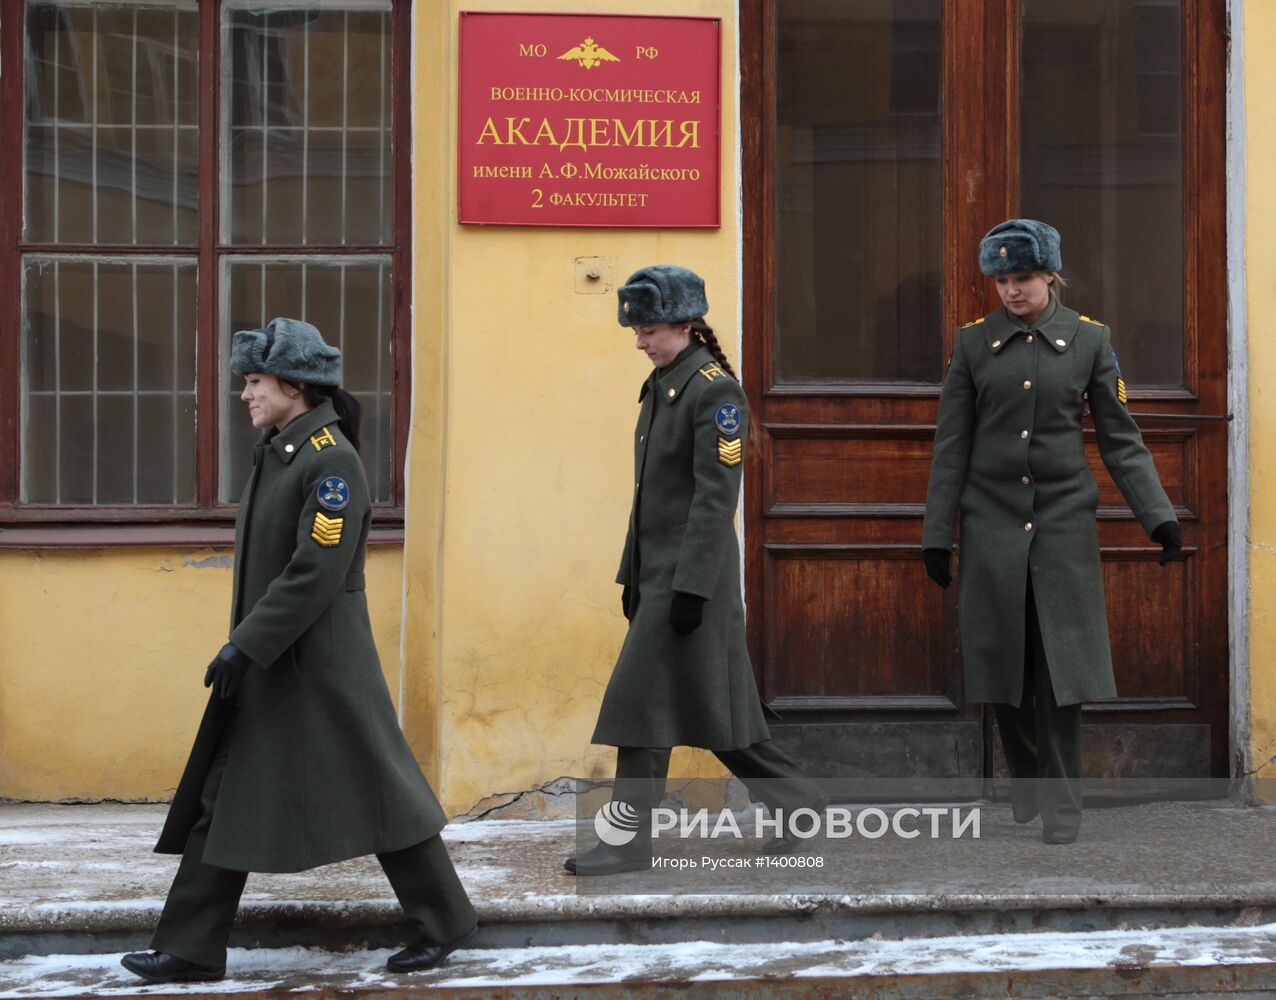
[(1058, 285)]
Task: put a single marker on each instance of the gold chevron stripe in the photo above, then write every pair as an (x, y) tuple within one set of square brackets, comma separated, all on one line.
[(327, 530), (729, 451), (1121, 390)]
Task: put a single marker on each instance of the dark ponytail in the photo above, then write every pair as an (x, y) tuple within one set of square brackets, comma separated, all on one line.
[(703, 332), (349, 412)]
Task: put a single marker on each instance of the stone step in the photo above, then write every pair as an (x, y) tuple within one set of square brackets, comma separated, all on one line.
[(82, 879), (1176, 962)]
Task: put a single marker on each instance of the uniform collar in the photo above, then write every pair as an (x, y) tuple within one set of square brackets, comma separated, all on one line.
[(288, 441), (669, 382), (1057, 325)]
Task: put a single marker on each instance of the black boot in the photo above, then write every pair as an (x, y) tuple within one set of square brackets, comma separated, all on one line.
[(424, 955), (605, 860), (788, 842), (1023, 801), (156, 967)]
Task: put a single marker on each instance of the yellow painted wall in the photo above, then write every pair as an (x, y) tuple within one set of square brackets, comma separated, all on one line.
[(1260, 280), (525, 404), (102, 658)]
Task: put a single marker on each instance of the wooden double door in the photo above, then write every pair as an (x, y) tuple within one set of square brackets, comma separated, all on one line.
[(882, 138)]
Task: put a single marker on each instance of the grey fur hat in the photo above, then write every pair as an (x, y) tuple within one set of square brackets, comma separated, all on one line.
[(662, 293), (1020, 245), (286, 348)]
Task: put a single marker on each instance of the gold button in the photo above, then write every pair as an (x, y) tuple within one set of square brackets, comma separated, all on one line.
[(996, 343), (1027, 383), (671, 393), (1025, 480), (1023, 434), (289, 449), (1030, 338), (1028, 526), (1062, 343)]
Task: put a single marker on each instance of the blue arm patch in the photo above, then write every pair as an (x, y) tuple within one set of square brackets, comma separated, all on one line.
[(728, 419), (333, 493)]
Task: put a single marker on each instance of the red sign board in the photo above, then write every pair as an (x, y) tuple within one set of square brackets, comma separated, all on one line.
[(589, 120)]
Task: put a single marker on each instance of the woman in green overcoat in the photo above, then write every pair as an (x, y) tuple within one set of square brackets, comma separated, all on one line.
[(299, 760), (1009, 462), (683, 676)]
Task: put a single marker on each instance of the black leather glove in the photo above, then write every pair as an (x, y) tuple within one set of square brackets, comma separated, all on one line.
[(1170, 537), (624, 602), (227, 670), (939, 565), (686, 612)]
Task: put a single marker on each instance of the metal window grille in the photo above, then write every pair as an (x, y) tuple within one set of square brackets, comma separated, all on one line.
[(348, 299), (108, 388), (118, 284)]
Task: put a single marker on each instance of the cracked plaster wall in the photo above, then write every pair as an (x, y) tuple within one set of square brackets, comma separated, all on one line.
[(524, 411), (102, 658), (1260, 272)]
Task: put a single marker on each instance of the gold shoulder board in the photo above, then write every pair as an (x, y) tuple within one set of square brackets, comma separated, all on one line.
[(712, 371), (1087, 319), (973, 322), (323, 439)]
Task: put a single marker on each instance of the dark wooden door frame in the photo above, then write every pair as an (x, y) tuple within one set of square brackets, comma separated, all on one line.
[(981, 113)]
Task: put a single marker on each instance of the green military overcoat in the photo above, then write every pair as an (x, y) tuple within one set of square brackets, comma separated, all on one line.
[(318, 769), (696, 690), (1009, 457)]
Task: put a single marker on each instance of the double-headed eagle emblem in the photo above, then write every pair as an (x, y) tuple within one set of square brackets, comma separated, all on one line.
[(589, 54)]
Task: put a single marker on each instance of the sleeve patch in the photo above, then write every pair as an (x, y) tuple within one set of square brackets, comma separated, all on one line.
[(729, 452), (1121, 397), (333, 494), (728, 419), (327, 530)]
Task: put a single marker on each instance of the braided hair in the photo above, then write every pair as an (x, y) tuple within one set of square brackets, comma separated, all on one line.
[(703, 332)]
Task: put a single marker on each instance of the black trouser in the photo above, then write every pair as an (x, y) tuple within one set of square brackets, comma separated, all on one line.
[(201, 904), (769, 774), (1041, 739)]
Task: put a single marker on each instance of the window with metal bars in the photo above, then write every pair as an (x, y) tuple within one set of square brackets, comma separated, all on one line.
[(172, 171)]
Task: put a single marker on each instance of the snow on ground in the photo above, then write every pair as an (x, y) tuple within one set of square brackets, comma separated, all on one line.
[(302, 969)]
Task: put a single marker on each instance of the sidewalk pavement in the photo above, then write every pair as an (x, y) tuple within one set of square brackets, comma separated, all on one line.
[(79, 884)]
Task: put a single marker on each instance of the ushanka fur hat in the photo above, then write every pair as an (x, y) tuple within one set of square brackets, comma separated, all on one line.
[(1020, 245), (291, 349), (662, 293)]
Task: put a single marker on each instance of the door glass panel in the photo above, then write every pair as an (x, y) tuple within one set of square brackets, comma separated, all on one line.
[(1102, 161), (858, 185)]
